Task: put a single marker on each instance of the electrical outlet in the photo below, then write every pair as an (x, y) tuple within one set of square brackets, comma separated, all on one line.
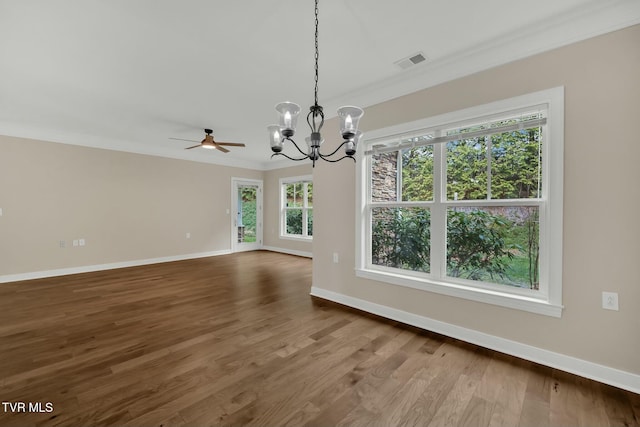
[(610, 300), (62, 243), (188, 235), (335, 257), (81, 242), (75, 242)]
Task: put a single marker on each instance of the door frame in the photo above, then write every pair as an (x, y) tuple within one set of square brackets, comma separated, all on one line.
[(235, 184)]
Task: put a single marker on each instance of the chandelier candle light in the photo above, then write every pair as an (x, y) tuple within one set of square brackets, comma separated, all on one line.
[(284, 131)]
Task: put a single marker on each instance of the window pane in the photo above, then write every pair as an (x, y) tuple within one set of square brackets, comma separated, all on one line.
[(295, 194), (310, 194), (494, 244), (401, 238), (417, 174), (310, 222), (516, 164), (294, 221), (247, 214), (467, 169), (384, 177)]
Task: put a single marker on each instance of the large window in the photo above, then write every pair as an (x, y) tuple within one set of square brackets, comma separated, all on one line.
[(469, 204), (296, 219)]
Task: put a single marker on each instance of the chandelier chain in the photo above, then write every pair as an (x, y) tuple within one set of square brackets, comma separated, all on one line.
[(316, 57)]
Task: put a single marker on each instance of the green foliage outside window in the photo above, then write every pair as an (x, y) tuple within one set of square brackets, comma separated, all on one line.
[(294, 222), (401, 238), (477, 246), (515, 166), (417, 174), (481, 245), (497, 244), (295, 206), (476, 242), (248, 200)]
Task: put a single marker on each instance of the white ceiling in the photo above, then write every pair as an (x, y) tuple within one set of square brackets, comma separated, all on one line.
[(129, 74)]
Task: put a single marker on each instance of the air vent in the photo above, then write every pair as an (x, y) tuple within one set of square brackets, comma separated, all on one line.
[(410, 61)]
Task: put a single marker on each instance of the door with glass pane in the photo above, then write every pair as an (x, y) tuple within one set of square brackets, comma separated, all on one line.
[(246, 199)]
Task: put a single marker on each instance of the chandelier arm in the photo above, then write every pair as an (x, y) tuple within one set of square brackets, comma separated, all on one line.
[(288, 157), (334, 151), (337, 160), (321, 114), (309, 120), (296, 145), (315, 111)]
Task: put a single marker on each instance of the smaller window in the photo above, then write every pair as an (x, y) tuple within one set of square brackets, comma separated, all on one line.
[(296, 208)]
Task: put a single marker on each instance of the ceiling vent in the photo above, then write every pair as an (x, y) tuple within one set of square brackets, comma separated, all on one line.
[(410, 61)]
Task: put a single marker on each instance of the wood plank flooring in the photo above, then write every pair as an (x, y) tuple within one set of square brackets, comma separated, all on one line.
[(237, 340)]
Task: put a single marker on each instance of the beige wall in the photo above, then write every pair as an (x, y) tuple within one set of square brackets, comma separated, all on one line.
[(601, 175), (272, 209), (127, 206)]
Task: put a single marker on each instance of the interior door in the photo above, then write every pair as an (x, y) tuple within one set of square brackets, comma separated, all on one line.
[(246, 216)]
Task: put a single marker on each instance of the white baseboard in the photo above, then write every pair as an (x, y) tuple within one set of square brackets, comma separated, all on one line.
[(99, 267), (604, 374), (288, 251)]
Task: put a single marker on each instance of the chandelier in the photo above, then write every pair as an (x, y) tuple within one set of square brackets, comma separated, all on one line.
[(288, 113)]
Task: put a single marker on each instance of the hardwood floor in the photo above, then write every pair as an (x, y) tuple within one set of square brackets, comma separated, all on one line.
[(237, 340)]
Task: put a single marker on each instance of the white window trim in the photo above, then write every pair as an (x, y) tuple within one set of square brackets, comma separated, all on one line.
[(547, 303), (283, 218)]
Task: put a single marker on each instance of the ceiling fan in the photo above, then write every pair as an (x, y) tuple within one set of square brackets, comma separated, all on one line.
[(209, 143)]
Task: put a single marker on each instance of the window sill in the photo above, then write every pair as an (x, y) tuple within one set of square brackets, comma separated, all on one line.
[(502, 299), (298, 238)]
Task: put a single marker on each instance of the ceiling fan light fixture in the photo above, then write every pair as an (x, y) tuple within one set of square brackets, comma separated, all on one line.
[(209, 143), (288, 117)]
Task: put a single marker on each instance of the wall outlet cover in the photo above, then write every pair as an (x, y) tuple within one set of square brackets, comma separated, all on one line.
[(610, 301)]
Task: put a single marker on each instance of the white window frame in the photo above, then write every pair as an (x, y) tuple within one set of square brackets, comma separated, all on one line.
[(305, 180), (547, 300)]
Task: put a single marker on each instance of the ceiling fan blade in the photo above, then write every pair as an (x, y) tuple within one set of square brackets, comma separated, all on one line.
[(230, 144), (224, 150), (180, 139), (195, 146)]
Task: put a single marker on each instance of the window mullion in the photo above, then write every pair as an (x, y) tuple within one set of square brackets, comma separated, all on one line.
[(438, 212), (304, 209), (366, 227), (399, 176), (283, 209), (488, 154)]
